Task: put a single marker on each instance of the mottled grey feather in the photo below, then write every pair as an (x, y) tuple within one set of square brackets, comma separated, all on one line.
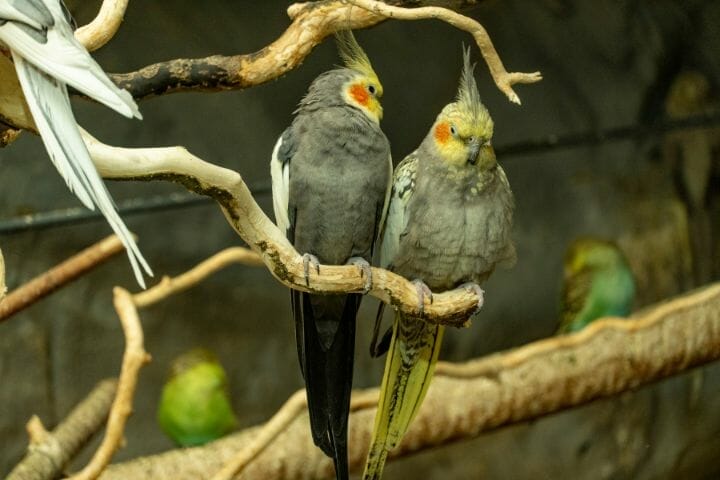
[(402, 189), (457, 224)]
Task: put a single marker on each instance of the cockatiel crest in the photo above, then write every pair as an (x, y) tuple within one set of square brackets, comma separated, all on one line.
[(463, 130), (364, 90)]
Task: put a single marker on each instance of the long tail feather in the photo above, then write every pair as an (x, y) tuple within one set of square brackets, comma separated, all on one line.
[(325, 332), (409, 368), (50, 106)]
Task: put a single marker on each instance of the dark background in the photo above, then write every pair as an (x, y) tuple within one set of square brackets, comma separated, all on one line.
[(605, 64)]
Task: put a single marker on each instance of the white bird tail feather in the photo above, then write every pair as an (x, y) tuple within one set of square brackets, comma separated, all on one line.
[(50, 106)]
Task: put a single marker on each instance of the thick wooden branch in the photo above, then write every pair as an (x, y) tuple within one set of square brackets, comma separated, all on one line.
[(608, 357), (104, 26), (134, 358), (311, 23), (67, 271), (260, 233), (49, 452)]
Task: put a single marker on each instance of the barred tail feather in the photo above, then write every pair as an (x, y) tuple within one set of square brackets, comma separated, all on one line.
[(408, 370)]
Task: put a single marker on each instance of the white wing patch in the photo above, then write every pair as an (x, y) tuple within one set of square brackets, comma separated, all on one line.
[(402, 190), (280, 174)]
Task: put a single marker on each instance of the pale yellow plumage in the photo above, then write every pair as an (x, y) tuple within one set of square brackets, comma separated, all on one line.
[(448, 225), (409, 368)]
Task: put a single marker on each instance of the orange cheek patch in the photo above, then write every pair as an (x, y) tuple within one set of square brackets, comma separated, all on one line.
[(442, 132), (360, 94)]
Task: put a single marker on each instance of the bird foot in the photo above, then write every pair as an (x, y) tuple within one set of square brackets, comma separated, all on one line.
[(308, 261), (365, 271), (423, 291), (479, 292)]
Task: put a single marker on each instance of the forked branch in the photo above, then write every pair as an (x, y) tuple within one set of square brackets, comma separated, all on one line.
[(503, 79), (311, 23)]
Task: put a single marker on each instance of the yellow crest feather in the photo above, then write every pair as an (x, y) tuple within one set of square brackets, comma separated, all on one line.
[(468, 96), (352, 53)]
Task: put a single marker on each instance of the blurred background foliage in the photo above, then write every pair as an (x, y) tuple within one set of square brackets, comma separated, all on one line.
[(605, 64)]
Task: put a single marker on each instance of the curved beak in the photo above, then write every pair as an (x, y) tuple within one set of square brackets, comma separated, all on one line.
[(473, 151)]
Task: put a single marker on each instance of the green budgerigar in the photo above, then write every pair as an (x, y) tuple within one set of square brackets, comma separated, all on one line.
[(448, 226), (195, 405), (597, 283)]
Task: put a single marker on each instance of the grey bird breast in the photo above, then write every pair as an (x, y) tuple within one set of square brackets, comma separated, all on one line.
[(457, 231), (338, 180)]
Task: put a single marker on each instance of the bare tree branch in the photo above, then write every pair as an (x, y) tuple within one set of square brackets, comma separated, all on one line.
[(104, 26), (608, 357), (503, 79), (170, 286), (260, 233), (293, 408), (134, 358), (311, 23), (46, 283), (49, 452)]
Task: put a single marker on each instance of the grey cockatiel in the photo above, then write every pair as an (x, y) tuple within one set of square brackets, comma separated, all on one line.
[(448, 225), (331, 174), (47, 58)]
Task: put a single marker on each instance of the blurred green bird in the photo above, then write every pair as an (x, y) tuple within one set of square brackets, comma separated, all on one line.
[(195, 405), (597, 283)]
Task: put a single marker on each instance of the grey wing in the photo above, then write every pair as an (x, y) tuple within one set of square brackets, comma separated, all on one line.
[(50, 106), (509, 258), (397, 218), (38, 31), (280, 173), (33, 13)]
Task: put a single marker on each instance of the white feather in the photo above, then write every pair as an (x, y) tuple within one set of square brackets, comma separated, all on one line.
[(280, 188), (64, 58), (44, 69), (8, 12), (50, 106)]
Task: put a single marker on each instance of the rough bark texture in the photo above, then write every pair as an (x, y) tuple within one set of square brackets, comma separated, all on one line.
[(608, 357), (312, 22), (46, 460)]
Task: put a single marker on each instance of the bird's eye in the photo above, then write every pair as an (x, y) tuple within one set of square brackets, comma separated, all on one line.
[(371, 89), (453, 130)]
